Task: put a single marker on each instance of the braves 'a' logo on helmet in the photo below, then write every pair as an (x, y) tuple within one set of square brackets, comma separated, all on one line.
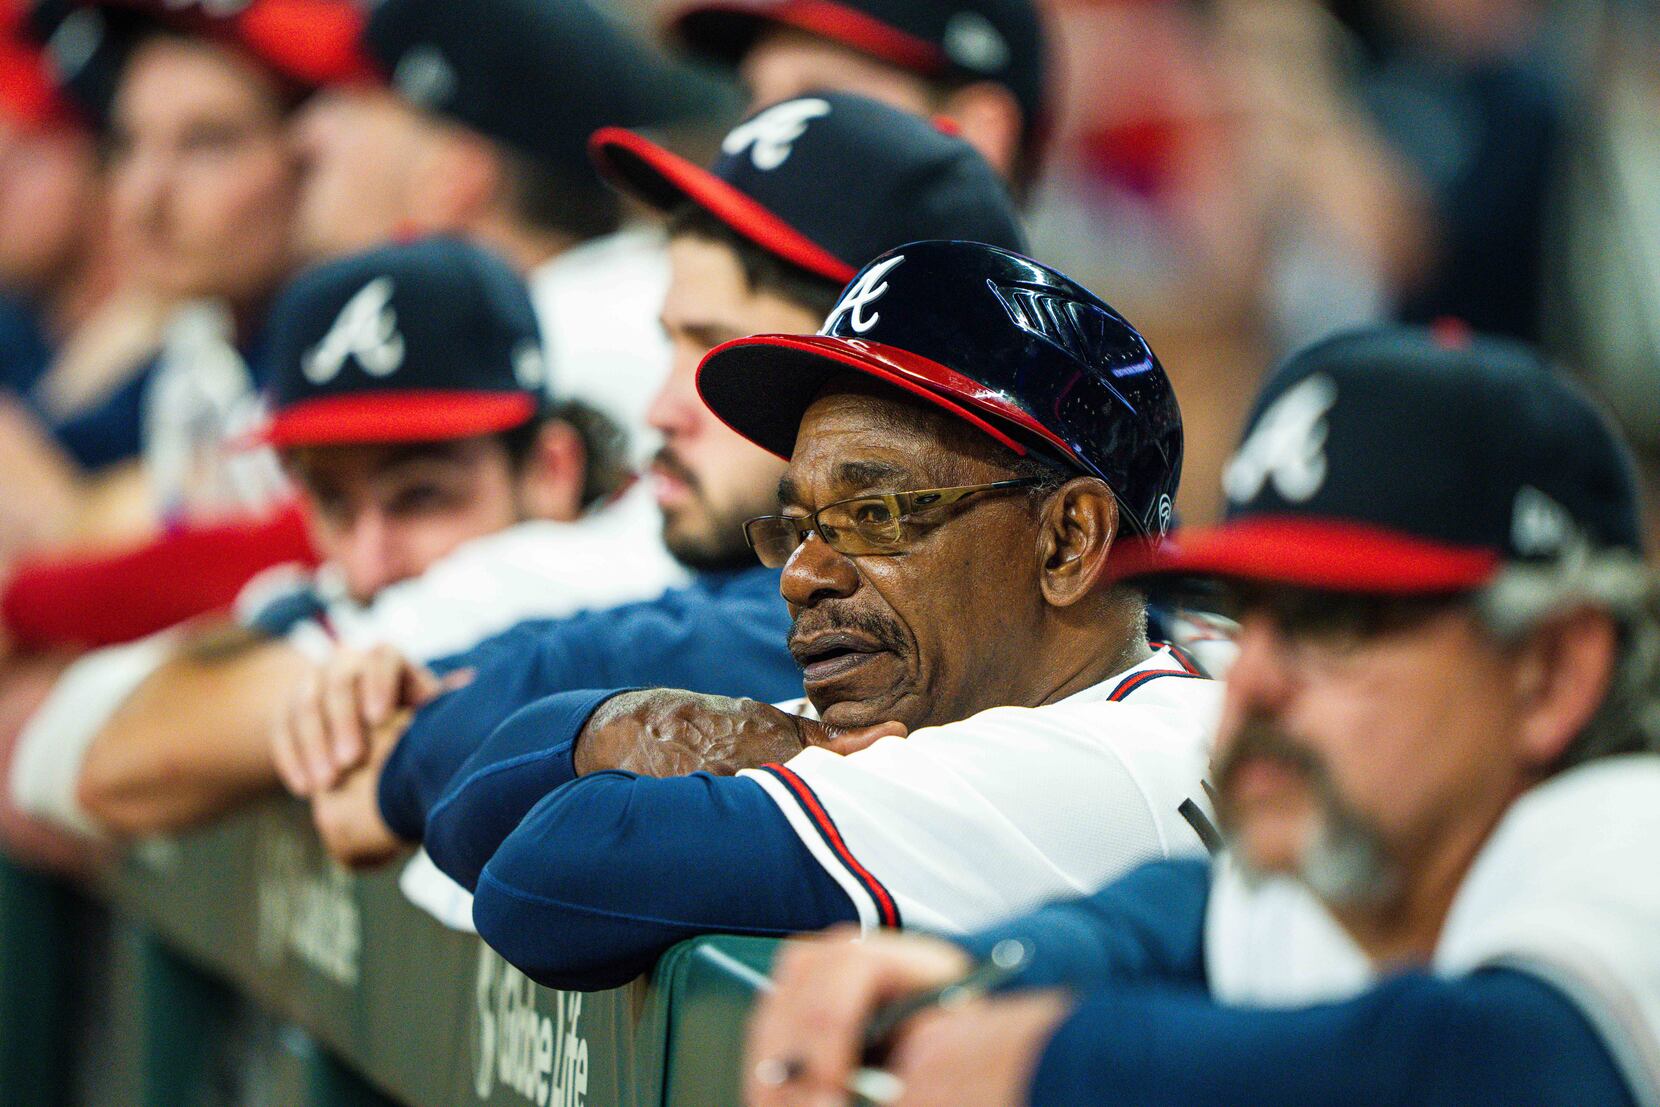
[(870, 287)]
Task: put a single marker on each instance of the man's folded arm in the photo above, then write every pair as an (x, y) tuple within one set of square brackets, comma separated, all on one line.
[(681, 640), (467, 814), (1497, 1036), (611, 870)]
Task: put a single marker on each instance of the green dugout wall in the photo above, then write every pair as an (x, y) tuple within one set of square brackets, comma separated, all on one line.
[(245, 967)]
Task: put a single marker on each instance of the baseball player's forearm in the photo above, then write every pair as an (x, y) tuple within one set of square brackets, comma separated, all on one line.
[(1498, 1036), (656, 732), (1145, 927), (607, 873), (191, 742)]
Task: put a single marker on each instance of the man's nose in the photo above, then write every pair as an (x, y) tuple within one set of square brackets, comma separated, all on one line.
[(816, 572), (1263, 674), (372, 559), (677, 406)]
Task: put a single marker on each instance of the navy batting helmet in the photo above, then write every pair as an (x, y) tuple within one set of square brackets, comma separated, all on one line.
[(1019, 350)]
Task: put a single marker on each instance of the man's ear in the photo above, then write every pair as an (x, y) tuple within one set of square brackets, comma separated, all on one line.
[(1565, 670), (1079, 525), (552, 476), (989, 119)]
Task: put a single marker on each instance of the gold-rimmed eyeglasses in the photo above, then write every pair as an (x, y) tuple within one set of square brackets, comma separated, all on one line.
[(884, 523)]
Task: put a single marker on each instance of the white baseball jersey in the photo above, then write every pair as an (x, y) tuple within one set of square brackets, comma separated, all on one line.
[(1567, 888), (598, 306), (961, 825), (534, 570)]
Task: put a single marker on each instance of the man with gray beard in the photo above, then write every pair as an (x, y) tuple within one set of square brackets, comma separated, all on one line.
[(1437, 771)]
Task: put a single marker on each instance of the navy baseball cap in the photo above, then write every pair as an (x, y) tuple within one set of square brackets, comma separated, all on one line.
[(411, 343), (1016, 349), (538, 76), (825, 182), (1391, 461), (992, 40)]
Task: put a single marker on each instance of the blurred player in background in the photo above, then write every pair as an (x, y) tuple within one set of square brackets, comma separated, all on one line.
[(473, 133), (1436, 769), (982, 64), (448, 496)]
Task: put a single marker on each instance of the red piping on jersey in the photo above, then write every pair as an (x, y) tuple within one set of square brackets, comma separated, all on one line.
[(1180, 655), (827, 828), (1136, 680)]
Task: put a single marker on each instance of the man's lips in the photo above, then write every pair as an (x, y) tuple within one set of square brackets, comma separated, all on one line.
[(1263, 778), (669, 485), (824, 657)]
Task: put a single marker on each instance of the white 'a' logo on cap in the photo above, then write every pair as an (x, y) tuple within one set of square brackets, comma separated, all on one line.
[(870, 287), (1288, 446), (973, 43), (1539, 526), (770, 137), (367, 329)]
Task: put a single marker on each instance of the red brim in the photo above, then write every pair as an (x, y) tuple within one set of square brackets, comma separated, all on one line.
[(761, 386), (1329, 554), (725, 28), (663, 179), (387, 417)]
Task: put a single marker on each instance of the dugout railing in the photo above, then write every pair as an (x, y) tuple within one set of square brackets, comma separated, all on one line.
[(240, 964)]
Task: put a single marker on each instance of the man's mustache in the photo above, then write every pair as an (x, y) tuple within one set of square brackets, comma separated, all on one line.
[(668, 461), (1258, 737), (883, 632)]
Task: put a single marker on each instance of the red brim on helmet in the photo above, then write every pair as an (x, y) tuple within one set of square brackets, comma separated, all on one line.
[(762, 385)]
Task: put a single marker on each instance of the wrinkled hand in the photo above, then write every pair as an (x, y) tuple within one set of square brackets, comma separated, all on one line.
[(805, 1037), (665, 732), (347, 815), (324, 729)]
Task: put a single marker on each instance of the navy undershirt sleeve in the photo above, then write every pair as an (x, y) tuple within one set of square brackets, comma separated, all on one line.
[(1498, 1036), (526, 758), (510, 671), (724, 637), (614, 868), (1148, 925)]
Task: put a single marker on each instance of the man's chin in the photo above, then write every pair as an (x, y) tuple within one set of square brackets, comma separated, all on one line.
[(853, 714)]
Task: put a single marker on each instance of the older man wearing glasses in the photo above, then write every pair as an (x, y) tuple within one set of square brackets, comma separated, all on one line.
[(971, 438)]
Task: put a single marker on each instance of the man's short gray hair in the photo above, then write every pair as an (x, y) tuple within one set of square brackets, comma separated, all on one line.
[(1523, 597)]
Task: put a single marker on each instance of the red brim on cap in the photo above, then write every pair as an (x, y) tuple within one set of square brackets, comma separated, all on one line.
[(705, 25), (662, 179), (384, 417), (761, 386), (1330, 554)]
